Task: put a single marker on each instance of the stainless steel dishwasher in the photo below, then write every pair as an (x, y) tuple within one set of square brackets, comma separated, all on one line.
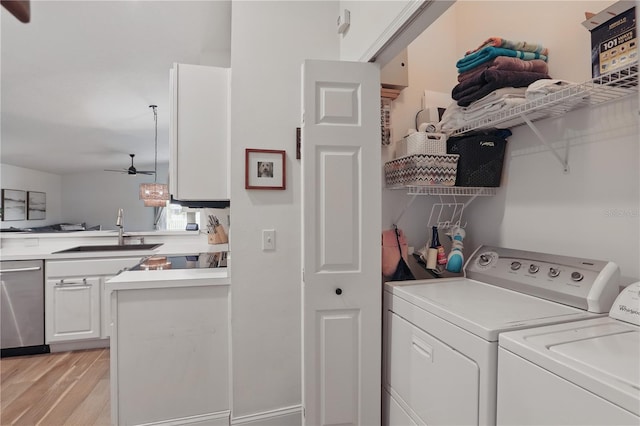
[(22, 308)]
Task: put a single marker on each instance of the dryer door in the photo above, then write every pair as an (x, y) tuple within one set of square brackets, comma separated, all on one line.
[(432, 382)]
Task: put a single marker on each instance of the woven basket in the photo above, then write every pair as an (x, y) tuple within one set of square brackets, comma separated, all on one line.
[(422, 143), (422, 170)]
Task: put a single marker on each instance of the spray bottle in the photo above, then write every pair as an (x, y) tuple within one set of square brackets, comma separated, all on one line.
[(455, 260)]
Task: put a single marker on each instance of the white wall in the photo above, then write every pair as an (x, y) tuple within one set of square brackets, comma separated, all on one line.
[(422, 53), (594, 210), (270, 40), (591, 212), (13, 177), (369, 19), (95, 198)]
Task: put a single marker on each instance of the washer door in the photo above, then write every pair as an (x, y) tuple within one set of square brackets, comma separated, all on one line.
[(436, 383)]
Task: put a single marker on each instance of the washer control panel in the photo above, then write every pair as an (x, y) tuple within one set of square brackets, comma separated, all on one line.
[(584, 283)]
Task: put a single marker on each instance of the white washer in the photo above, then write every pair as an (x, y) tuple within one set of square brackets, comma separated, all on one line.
[(586, 372), (441, 336)]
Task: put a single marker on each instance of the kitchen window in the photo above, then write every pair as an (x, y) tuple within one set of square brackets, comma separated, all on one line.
[(174, 218)]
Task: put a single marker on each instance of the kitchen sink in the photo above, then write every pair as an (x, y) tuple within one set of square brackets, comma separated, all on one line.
[(111, 247)]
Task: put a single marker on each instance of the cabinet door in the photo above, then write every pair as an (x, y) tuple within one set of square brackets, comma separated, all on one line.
[(199, 159), (182, 333), (72, 309)]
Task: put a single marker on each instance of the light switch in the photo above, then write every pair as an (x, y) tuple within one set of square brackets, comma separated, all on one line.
[(268, 239)]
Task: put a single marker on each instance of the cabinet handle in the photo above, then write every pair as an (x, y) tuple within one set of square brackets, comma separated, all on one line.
[(33, 268), (72, 287), (62, 283), (338, 291), (422, 348)]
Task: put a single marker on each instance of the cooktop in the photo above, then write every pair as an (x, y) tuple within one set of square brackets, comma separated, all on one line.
[(195, 261)]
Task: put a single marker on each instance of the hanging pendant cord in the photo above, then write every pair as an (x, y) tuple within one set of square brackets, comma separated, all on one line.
[(155, 164)]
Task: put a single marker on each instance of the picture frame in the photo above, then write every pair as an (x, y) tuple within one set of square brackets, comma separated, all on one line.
[(36, 205), (14, 204), (265, 169)]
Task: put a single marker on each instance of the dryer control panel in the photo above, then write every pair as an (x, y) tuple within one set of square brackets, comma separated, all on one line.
[(587, 284)]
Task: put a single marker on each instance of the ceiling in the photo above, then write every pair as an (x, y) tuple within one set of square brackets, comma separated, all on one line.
[(77, 80)]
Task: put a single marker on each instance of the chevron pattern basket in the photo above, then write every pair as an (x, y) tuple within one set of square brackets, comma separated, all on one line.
[(422, 170)]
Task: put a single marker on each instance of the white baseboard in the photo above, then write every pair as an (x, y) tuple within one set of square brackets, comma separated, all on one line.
[(212, 419), (286, 416), (78, 345)]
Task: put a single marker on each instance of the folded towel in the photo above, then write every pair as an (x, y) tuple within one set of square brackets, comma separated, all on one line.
[(490, 75), (508, 44), (452, 119), (456, 117), (542, 88), (507, 63), (487, 111), (490, 80), (496, 96), (487, 53)]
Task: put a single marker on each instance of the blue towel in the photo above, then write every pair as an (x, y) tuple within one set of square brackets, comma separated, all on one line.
[(488, 53)]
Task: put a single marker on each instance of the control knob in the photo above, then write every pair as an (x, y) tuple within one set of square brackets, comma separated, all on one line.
[(533, 268), (484, 260), (577, 276), (515, 265), (554, 272)]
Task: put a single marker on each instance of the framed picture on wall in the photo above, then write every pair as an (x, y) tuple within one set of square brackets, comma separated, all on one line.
[(14, 204), (36, 205), (265, 169)]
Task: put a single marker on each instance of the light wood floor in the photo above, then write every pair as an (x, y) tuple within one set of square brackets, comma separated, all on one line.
[(67, 388)]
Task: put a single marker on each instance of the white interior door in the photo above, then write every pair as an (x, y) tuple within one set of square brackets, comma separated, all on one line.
[(341, 174)]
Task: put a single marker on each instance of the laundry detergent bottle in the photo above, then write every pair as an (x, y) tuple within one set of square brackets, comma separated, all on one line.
[(455, 260)]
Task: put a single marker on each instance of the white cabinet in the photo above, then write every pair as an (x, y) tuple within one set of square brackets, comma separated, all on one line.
[(199, 133), (170, 335), (76, 305), (72, 309)]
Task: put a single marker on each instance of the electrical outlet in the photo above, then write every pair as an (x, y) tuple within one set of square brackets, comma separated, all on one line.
[(268, 239)]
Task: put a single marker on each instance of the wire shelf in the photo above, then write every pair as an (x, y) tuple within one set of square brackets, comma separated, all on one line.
[(447, 190), (608, 87)]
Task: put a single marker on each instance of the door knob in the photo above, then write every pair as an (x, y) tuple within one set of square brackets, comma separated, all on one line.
[(338, 291)]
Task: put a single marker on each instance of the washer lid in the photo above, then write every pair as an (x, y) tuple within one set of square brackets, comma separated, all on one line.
[(600, 355), (482, 309)]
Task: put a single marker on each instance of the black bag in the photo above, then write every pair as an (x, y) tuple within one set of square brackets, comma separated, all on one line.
[(481, 158), (403, 272)]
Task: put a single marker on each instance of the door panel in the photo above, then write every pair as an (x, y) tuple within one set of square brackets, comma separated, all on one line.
[(341, 243), (337, 103), (340, 355), (338, 174)]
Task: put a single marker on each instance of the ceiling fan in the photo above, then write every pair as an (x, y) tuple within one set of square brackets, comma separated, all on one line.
[(132, 170)]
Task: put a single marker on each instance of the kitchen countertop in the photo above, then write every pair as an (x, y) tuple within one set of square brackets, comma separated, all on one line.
[(168, 278), (26, 246)]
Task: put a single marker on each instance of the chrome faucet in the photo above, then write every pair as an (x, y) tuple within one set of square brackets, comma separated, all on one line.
[(120, 225)]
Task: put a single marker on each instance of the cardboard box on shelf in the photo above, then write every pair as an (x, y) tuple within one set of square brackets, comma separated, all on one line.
[(614, 43)]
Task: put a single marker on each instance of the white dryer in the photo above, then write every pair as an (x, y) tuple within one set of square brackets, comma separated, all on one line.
[(440, 357), (586, 372)]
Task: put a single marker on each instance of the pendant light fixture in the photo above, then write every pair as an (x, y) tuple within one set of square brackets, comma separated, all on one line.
[(154, 194)]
